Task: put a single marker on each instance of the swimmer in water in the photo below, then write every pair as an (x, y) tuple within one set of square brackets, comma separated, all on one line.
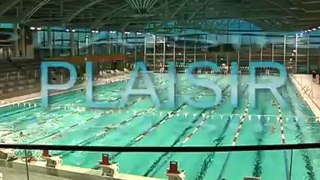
[(273, 129), (274, 103), (57, 136), (21, 134), (109, 127)]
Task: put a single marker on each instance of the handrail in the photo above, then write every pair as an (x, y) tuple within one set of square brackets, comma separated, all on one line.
[(311, 98), (163, 148)]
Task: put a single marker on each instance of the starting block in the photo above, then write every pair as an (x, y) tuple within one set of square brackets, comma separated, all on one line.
[(7, 154), (173, 173), (108, 169), (52, 161), (251, 178)]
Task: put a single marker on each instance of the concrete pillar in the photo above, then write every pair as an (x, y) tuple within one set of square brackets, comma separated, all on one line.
[(135, 47), (284, 49), (110, 45), (296, 54), (154, 51), (91, 44), (164, 51), (228, 59), (261, 52), (217, 58), (174, 51), (145, 50), (49, 34), (16, 42), (123, 49), (184, 53), (272, 52), (308, 54), (250, 51), (72, 44), (22, 41), (238, 57), (195, 52)]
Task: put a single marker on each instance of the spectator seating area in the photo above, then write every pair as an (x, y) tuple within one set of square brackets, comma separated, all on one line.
[(22, 76), (19, 77), (26, 64)]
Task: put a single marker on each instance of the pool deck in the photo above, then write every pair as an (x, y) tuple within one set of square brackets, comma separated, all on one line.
[(10, 173), (38, 171), (34, 96), (309, 91)]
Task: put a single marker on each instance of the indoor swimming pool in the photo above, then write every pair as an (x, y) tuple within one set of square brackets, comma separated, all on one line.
[(68, 122)]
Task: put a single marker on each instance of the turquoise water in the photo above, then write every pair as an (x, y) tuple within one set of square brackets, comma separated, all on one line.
[(68, 122)]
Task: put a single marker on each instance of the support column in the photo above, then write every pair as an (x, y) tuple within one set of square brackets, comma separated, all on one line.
[(16, 42), (72, 44), (154, 52), (308, 55), (123, 49), (250, 51), (49, 33), (296, 54), (164, 50), (195, 52), (238, 56), (145, 50), (217, 58), (284, 49), (23, 41), (135, 46), (117, 45), (91, 44), (261, 52), (228, 59), (109, 43), (174, 51), (184, 53), (272, 52)]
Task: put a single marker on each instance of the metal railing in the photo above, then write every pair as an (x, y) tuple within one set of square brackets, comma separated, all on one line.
[(31, 171), (149, 149)]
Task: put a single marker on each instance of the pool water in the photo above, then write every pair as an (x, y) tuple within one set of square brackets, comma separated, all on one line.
[(68, 122)]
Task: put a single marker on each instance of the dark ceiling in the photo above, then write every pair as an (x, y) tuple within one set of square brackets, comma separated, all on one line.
[(270, 15)]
